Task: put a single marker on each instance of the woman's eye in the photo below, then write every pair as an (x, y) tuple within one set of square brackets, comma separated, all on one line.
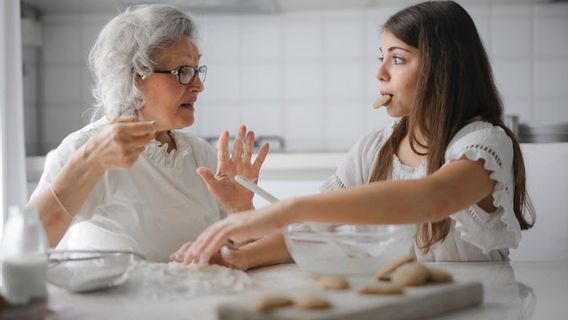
[(381, 58), (397, 60)]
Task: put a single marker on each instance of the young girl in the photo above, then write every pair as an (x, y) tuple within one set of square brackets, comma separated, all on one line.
[(449, 165)]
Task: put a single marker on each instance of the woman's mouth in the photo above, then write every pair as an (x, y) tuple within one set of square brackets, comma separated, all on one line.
[(186, 105)]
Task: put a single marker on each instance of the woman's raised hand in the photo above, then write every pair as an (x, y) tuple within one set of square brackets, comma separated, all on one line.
[(118, 144), (233, 196)]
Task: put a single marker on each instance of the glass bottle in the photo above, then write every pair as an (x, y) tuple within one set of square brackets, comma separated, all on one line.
[(24, 257)]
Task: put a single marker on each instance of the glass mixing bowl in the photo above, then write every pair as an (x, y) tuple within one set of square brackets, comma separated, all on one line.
[(89, 270), (347, 249)]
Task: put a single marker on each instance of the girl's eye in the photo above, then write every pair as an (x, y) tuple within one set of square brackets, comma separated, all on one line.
[(397, 60), (381, 58)]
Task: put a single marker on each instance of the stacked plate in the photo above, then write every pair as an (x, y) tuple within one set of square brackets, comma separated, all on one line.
[(543, 133)]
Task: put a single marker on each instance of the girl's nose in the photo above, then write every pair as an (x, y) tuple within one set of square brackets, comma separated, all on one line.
[(382, 73)]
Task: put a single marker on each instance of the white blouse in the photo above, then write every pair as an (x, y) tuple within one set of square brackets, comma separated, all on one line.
[(475, 235), (152, 208)]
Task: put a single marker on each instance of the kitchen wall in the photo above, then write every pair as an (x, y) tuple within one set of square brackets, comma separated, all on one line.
[(307, 76)]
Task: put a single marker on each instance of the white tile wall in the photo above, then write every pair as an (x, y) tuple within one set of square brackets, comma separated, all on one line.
[(219, 118), (510, 27), (344, 80), (343, 36), (551, 77), (261, 38), (62, 83), (220, 37), (223, 84), (261, 81), (506, 68), (303, 80), (263, 118), (342, 125), (60, 120), (303, 125), (62, 42), (302, 37), (550, 24), (309, 76)]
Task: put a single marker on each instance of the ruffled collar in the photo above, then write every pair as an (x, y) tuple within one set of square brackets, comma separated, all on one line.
[(158, 152), (403, 171)]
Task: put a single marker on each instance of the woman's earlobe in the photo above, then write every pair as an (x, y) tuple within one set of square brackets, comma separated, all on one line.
[(138, 79)]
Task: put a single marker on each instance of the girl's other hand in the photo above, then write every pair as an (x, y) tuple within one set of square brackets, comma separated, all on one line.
[(228, 256), (236, 226), (222, 185)]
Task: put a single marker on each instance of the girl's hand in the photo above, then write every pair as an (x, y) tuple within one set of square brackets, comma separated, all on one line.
[(228, 256), (236, 226), (118, 144), (231, 258), (222, 185)]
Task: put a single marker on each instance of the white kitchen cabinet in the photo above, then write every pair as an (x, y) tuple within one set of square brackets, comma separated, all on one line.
[(547, 183)]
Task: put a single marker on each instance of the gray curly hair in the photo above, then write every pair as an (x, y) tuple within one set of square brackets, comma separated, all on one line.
[(128, 46)]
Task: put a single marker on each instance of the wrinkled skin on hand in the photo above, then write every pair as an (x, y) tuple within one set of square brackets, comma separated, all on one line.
[(222, 185), (118, 144)]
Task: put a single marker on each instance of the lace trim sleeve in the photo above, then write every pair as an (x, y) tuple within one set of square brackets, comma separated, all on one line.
[(333, 183), (500, 229)]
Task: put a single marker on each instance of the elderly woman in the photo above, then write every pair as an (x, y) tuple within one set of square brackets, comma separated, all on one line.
[(129, 181)]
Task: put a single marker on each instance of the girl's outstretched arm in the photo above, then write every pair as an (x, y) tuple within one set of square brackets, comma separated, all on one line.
[(455, 186)]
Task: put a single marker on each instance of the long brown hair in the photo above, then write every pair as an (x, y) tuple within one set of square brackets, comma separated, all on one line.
[(455, 87)]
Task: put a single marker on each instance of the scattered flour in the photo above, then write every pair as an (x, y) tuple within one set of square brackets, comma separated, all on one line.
[(176, 280)]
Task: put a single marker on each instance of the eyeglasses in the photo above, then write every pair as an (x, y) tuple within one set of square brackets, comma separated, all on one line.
[(186, 74)]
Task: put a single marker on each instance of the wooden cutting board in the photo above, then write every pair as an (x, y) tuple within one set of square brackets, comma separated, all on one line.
[(415, 303)]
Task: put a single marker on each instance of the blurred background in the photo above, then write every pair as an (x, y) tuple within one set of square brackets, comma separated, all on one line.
[(301, 73)]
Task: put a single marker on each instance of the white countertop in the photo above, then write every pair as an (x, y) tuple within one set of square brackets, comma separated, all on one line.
[(319, 165), (280, 166), (518, 290), (300, 166)]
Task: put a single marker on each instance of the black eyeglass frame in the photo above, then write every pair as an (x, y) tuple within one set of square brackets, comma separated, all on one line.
[(177, 71)]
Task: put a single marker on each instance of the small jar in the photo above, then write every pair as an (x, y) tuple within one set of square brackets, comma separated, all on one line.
[(24, 257)]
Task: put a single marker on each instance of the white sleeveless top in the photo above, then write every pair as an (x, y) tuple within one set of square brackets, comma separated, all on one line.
[(153, 207), (475, 235)]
